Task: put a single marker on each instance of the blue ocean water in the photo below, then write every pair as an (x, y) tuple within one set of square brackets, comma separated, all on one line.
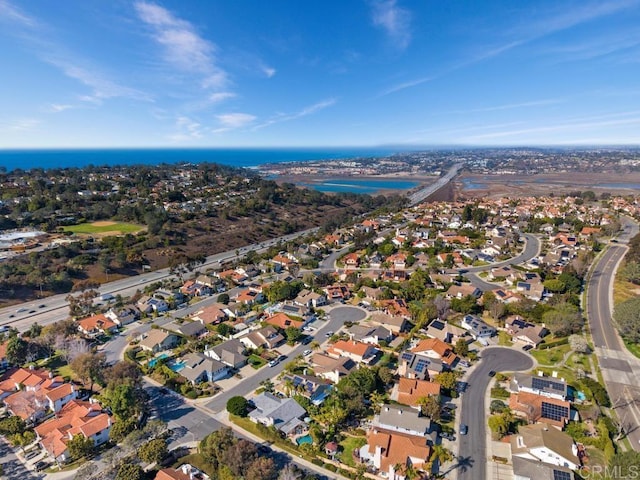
[(240, 157)]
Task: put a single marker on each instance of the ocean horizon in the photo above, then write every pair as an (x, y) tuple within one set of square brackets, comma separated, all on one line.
[(28, 159)]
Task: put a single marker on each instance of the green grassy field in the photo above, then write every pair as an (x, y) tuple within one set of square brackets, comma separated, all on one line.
[(101, 227)]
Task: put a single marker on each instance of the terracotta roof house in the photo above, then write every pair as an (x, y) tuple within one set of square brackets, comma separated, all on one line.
[(435, 348), (391, 452), (538, 408), (183, 472), (211, 314), (76, 418), (396, 307), (542, 443), (357, 351), (409, 391), (96, 325), (249, 296), (337, 293), (283, 321), (351, 260)]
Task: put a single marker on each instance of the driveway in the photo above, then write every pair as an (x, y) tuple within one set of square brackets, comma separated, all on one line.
[(12, 466), (472, 448)]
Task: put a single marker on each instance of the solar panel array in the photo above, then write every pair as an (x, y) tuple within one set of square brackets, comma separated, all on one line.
[(407, 356), (437, 324), (421, 365), (542, 383), (560, 475), (554, 412)]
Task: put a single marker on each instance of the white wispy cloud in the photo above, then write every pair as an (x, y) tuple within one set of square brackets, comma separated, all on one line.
[(268, 71), (552, 22), (183, 47), (221, 96), (14, 14), (394, 20), (286, 117), (511, 106), (186, 129), (576, 124), (19, 125), (235, 120), (59, 107)]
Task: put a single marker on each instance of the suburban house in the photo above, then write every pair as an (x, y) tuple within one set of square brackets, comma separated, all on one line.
[(396, 307), (356, 351), (420, 367), (231, 353), (391, 452), (183, 472), (551, 387), (332, 368), (409, 391), (351, 260), (527, 469), (537, 408), (435, 348), (402, 419), (371, 334), (525, 332), (249, 297), (211, 314), (283, 321), (30, 393), (396, 323), (96, 325), (477, 327), (147, 304), (285, 414), (541, 443), (191, 329), (200, 368), (157, 340), (75, 418), (445, 331), (337, 293), (464, 290), (314, 388), (266, 337), (310, 299), (123, 316)]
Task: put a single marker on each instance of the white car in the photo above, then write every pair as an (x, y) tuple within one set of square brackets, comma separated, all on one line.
[(306, 352), (273, 363)]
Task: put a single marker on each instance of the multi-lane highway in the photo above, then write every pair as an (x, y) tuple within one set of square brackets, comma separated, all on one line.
[(620, 369)]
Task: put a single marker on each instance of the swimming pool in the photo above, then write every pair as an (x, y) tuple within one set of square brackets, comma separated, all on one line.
[(176, 366), (153, 361), (306, 439)]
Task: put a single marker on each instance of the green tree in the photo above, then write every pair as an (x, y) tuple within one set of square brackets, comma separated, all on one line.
[(122, 400), (122, 428), (447, 380), (80, 446), (12, 425), (238, 406), (130, 471), (90, 367), (223, 329), (262, 468), (440, 454), (564, 319), (625, 464), (17, 350), (430, 407), (461, 347), (214, 446), (293, 334), (154, 451), (554, 285), (223, 298), (499, 425)]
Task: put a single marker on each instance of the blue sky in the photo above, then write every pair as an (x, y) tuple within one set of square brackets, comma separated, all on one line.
[(241, 73)]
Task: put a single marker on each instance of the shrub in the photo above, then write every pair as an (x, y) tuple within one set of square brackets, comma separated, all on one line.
[(238, 406)]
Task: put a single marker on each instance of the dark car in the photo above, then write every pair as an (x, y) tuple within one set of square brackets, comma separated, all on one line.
[(307, 340), (492, 373), (41, 466), (463, 429), (526, 348), (448, 436), (42, 305), (32, 311), (32, 454)]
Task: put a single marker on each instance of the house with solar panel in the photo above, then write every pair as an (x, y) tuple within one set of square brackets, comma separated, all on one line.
[(477, 327), (525, 332), (314, 388), (541, 399), (527, 469), (415, 366)]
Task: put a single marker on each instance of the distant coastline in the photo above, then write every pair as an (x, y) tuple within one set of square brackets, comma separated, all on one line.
[(235, 157)]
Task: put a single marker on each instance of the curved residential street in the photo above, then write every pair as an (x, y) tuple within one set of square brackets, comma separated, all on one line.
[(620, 369), (472, 448)]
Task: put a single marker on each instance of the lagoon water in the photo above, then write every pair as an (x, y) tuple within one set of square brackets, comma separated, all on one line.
[(369, 186)]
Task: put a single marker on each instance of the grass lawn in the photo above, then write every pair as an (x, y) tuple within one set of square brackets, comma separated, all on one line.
[(114, 228), (256, 362), (563, 372), (504, 339), (623, 290), (550, 356), (249, 426), (349, 444), (633, 348), (578, 360)]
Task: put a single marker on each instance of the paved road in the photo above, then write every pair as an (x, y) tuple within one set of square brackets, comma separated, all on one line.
[(420, 195), (13, 468), (337, 317), (620, 369), (472, 448), (56, 307)]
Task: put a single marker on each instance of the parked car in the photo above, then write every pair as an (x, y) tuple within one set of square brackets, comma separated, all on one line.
[(273, 363), (41, 466), (328, 334), (526, 348), (32, 454), (463, 429), (448, 436), (306, 352)]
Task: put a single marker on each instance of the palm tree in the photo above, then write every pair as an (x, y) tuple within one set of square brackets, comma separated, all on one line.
[(440, 454), (315, 345), (288, 386)]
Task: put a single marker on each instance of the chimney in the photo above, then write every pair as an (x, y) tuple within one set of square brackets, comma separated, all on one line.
[(554, 374), (386, 409), (540, 373)]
